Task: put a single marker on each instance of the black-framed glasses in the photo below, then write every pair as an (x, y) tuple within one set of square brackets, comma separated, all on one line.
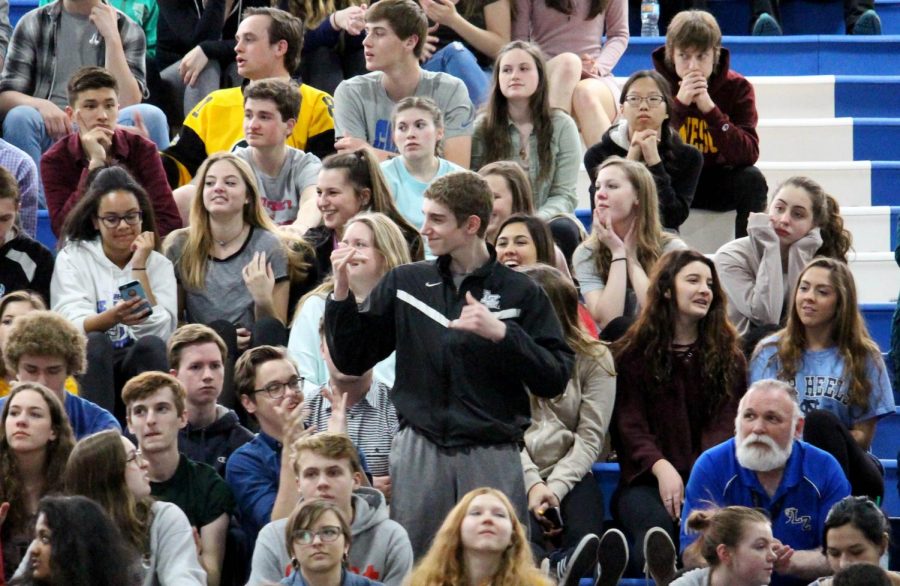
[(276, 389), (327, 534), (112, 221), (652, 101)]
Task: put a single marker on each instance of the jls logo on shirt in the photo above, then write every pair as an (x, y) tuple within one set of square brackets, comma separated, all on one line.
[(490, 300), (794, 519)]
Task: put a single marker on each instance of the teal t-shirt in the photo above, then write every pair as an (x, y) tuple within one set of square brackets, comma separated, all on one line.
[(196, 489)]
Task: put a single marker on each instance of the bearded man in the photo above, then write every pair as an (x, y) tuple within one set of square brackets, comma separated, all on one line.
[(767, 466)]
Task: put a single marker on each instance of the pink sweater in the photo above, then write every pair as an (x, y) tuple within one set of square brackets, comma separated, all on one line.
[(559, 33)]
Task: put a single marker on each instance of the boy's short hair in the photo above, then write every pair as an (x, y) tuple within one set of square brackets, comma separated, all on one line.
[(45, 333), (90, 78), (335, 446), (192, 335), (283, 26), (465, 194), (284, 93), (147, 383), (695, 29), (249, 362), (405, 17), (9, 187)]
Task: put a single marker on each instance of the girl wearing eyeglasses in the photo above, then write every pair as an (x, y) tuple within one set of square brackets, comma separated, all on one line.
[(643, 134), (108, 469), (318, 541), (35, 441), (110, 240)]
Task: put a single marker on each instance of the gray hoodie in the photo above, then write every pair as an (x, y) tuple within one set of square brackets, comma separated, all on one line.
[(698, 577), (380, 550)]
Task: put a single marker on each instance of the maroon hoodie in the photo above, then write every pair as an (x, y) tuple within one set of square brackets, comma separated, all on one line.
[(726, 135)]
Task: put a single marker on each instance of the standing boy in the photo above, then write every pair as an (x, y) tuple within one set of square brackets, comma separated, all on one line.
[(714, 110), (472, 338)]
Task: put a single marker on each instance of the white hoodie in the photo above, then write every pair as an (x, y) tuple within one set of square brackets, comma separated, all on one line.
[(85, 282)]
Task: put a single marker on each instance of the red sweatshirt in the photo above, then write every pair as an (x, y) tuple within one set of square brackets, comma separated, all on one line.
[(64, 171), (726, 135)]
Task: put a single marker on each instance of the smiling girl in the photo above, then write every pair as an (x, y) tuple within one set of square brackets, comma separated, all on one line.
[(826, 353), (35, 441), (480, 542), (643, 134), (111, 240), (736, 543), (418, 128), (625, 242), (759, 270), (680, 375)]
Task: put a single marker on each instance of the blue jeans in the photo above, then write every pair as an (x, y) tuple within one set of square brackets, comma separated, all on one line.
[(24, 128), (457, 60)]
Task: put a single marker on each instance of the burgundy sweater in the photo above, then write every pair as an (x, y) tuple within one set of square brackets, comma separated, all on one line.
[(673, 423), (726, 135), (64, 171)]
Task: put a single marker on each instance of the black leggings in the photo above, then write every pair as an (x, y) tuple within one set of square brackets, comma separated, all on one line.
[(109, 368), (637, 509), (582, 513), (742, 189), (825, 431)]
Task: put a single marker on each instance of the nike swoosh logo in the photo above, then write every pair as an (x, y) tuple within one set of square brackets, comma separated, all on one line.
[(432, 284)]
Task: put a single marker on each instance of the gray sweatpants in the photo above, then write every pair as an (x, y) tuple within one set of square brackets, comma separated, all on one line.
[(427, 481)]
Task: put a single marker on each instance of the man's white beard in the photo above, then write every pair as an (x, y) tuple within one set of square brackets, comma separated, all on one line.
[(756, 457)]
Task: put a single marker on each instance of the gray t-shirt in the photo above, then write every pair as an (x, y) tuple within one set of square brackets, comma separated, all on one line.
[(281, 194), (362, 108), (79, 34), (225, 295), (590, 280)]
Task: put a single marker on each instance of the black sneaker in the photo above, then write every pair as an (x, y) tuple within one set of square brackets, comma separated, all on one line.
[(659, 554), (612, 555), (580, 562)]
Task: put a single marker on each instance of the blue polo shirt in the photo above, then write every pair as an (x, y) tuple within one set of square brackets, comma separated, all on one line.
[(812, 483), (85, 417)]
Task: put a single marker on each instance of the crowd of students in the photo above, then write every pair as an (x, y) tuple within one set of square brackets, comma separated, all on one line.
[(391, 289)]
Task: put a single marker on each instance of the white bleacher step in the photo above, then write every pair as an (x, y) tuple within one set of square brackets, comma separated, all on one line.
[(870, 226), (850, 182), (812, 139), (807, 96)]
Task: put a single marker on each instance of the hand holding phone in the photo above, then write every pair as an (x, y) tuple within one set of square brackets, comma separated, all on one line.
[(134, 290)]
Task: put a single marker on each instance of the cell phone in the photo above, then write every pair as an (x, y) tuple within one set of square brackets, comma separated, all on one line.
[(134, 289), (554, 516)]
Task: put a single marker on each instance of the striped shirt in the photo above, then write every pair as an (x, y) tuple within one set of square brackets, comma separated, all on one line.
[(371, 424)]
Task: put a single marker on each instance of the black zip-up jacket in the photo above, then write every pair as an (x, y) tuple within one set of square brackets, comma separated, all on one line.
[(214, 443), (455, 388)]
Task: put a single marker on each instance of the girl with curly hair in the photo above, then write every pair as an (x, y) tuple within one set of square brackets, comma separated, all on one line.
[(826, 353), (69, 533), (35, 441), (480, 542), (759, 270), (680, 377)]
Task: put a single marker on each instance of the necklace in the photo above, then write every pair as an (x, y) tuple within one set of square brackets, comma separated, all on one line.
[(224, 243)]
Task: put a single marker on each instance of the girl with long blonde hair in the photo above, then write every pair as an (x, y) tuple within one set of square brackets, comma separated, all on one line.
[(626, 241), (826, 353), (234, 267), (462, 553), (382, 247)]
